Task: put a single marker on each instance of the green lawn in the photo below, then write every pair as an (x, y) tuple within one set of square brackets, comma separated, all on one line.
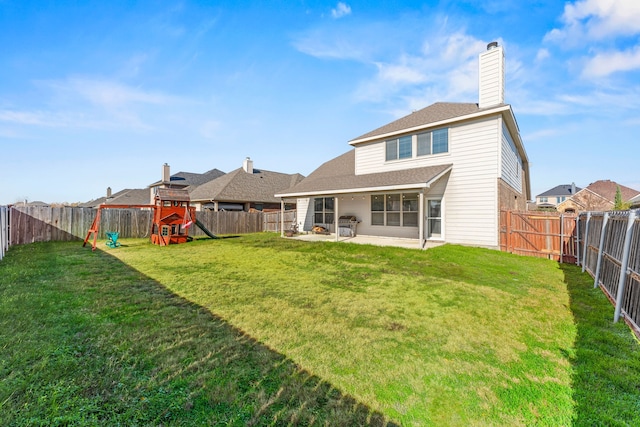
[(259, 330)]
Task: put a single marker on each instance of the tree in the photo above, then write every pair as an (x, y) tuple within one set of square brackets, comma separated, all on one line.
[(618, 203)]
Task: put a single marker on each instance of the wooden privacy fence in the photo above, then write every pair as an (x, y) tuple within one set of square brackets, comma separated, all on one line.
[(43, 224), (539, 234), (609, 246), (4, 230), (272, 221)]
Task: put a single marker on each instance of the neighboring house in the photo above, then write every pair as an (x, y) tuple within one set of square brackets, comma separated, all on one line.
[(597, 196), (442, 173), (103, 200), (243, 189), (181, 180), (635, 202), (558, 194)]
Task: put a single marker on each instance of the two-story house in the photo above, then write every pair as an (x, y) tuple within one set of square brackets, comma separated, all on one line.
[(441, 173), (556, 195)]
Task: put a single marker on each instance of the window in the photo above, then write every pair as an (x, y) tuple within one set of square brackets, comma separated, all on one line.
[(323, 210), (165, 230), (544, 199), (399, 148), (395, 210), (434, 142)]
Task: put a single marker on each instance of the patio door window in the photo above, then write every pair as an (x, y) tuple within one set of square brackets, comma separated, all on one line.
[(323, 210), (434, 218)]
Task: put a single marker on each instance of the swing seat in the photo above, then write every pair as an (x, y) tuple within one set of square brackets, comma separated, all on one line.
[(112, 239)]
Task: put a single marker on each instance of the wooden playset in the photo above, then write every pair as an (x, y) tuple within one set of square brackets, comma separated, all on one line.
[(172, 217)]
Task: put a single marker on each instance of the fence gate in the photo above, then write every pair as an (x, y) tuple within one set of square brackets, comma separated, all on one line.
[(540, 234)]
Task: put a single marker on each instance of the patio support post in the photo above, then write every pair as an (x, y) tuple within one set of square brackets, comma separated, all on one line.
[(625, 265), (335, 217), (281, 217), (423, 240), (605, 219)]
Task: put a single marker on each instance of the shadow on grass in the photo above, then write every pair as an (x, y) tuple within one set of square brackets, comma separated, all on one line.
[(606, 359), (125, 350)]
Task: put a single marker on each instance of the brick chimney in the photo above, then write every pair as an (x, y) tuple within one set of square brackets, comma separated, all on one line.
[(491, 76)]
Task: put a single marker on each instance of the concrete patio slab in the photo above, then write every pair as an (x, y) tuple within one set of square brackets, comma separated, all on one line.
[(366, 240)]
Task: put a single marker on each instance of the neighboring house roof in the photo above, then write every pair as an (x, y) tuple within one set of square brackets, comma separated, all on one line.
[(599, 195), (241, 186), (102, 200), (607, 189), (138, 196), (561, 190), (190, 179), (434, 113), (338, 176)]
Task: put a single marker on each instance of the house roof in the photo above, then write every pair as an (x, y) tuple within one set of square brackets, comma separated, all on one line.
[(607, 189), (560, 190), (138, 196), (338, 176), (190, 179), (434, 113), (178, 194), (241, 186), (102, 200)]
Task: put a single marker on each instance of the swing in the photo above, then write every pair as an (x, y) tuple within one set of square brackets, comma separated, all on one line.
[(186, 224)]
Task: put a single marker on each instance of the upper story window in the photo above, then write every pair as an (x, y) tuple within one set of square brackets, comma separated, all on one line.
[(434, 142), (427, 143), (400, 148)]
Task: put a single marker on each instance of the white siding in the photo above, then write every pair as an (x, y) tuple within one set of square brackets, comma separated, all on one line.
[(304, 214), (470, 198), (511, 161), (491, 77)]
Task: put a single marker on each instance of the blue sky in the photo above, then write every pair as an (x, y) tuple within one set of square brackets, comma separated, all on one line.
[(102, 93)]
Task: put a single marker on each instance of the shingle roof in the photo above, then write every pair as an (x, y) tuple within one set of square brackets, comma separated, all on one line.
[(240, 186), (607, 189), (138, 196), (560, 190), (338, 175), (191, 179), (432, 114)]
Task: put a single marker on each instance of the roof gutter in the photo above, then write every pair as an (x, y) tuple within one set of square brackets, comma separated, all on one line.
[(367, 189)]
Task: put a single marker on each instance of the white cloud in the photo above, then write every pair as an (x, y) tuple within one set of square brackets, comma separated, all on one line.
[(606, 63), (542, 55), (105, 93), (589, 20), (341, 9)]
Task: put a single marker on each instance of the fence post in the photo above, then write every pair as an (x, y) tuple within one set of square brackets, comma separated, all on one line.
[(508, 231), (605, 219), (577, 230), (625, 264), (585, 242)]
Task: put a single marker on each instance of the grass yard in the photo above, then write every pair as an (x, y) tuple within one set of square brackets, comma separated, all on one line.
[(259, 330)]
